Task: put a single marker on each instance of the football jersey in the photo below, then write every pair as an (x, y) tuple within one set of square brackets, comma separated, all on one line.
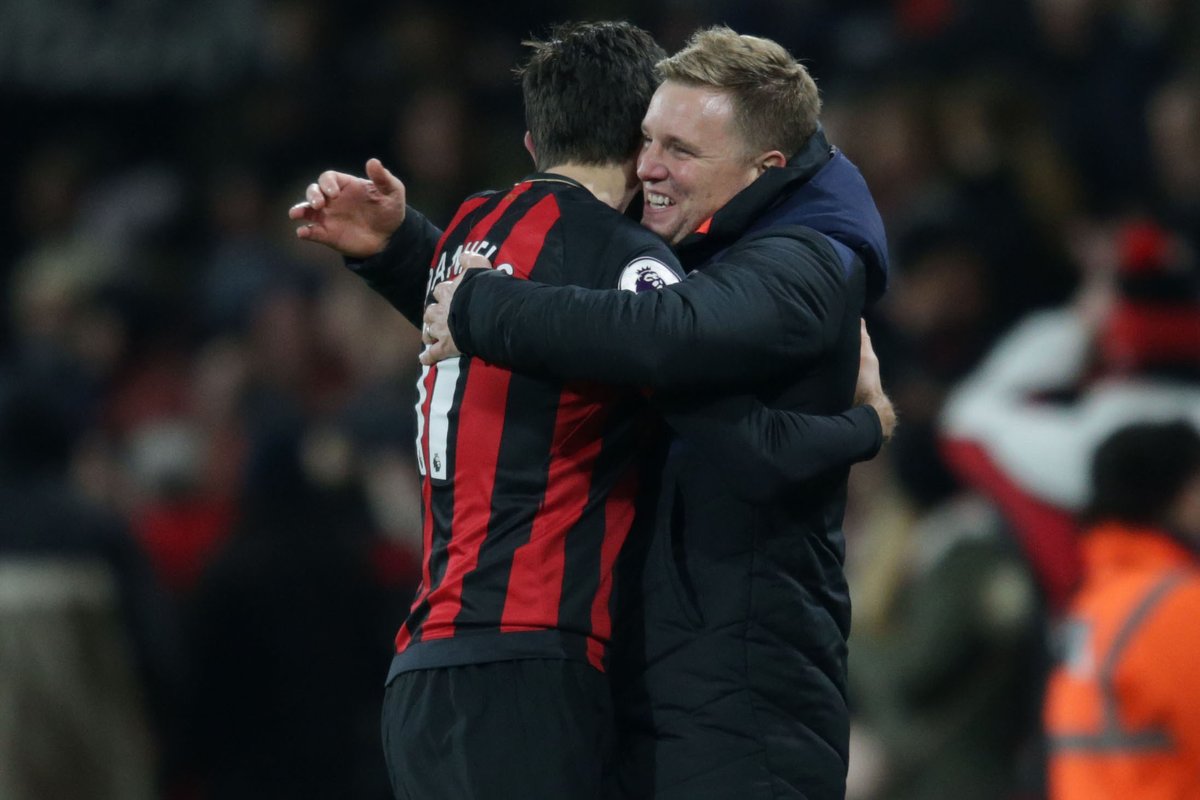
[(529, 485)]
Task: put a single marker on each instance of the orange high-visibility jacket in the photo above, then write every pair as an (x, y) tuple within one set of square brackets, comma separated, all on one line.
[(1123, 709)]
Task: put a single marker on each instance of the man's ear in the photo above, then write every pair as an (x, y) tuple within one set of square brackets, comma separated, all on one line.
[(529, 147), (774, 158)]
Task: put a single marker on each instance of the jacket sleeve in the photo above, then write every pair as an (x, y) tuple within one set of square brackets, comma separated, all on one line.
[(768, 305), (400, 273), (764, 452)]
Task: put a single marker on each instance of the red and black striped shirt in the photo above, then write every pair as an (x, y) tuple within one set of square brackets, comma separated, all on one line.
[(529, 485)]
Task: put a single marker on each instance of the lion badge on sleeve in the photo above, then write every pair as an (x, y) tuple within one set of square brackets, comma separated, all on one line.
[(646, 275)]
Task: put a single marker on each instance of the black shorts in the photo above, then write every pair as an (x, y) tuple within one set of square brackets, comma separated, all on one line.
[(538, 729)]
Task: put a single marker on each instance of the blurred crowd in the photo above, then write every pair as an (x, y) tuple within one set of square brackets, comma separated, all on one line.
[(215, 420)]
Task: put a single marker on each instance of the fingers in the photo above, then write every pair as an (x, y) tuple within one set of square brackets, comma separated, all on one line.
[(475, 261), (384, 181), (316, 196), (330, 183), (312, 233), (435, 327), (312, 229), (443, 293), (866, 348), (300, 211), (435, 333), (887, 416), (434, 353), (869, 389), (327, 186)]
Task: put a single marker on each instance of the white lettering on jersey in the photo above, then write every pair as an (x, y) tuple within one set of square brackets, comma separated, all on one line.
[(646, 274), (448, 269)]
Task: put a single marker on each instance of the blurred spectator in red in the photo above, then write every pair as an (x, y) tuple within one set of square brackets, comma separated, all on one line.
[(179, 523)]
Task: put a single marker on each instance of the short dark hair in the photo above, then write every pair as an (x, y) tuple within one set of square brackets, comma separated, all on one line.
[(1139, 471), (586, 90)]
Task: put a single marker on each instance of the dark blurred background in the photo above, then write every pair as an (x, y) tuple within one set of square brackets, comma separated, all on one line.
[(212, 525)]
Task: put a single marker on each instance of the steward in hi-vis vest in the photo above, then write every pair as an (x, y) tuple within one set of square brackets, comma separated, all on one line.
[(1122, 710)]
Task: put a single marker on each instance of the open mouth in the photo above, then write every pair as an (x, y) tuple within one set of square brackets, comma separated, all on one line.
[(658, 201)]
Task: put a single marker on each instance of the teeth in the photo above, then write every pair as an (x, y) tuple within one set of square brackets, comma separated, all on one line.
[(658, 200)]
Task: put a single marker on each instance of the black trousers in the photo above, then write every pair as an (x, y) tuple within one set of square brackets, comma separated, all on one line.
[(538, 729)]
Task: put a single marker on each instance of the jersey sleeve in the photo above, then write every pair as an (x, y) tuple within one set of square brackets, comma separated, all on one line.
[(766, 309), (763, 452), (400, 272)]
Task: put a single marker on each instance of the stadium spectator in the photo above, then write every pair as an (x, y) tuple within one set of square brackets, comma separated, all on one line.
[(1122, 709), (1023, 426), (89, 660)]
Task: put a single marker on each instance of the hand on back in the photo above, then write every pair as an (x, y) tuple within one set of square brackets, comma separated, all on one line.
[(869, 390)]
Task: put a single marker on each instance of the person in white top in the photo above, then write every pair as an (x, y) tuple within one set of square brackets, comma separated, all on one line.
[(1023, 427)]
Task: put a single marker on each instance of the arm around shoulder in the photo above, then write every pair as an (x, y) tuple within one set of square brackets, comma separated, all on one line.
[(765, 309)]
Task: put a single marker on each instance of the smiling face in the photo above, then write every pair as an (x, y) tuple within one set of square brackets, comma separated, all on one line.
[(693, 158)]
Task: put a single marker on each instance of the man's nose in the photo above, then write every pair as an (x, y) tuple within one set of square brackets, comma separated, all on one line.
[(650, 166)]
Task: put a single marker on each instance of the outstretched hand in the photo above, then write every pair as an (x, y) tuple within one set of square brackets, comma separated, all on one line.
[(435, 332), (352, 215), (869, 390)]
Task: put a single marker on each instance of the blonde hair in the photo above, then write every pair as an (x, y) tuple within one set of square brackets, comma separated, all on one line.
[(775, 101)]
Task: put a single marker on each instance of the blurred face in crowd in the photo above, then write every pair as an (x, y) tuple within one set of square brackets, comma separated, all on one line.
[(693, 158)]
